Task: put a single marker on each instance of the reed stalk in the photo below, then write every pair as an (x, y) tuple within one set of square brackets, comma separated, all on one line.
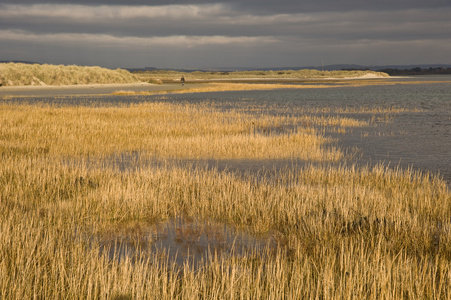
[(341, 231)]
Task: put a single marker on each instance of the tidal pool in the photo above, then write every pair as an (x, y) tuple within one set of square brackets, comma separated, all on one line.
[(183, 240)]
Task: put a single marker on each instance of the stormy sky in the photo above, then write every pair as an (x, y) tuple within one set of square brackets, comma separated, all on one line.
[(219, 33)]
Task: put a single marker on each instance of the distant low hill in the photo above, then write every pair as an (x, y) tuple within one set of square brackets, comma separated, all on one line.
[(379, 67), (18, 61), (21, 74), (417, 71), (393, 70)]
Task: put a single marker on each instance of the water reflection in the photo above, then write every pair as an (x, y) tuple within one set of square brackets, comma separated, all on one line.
[(183, 240)]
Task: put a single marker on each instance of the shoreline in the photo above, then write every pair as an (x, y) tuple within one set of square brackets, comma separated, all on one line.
[(77, 90), (197, 86), (168, 86), (244, 79)]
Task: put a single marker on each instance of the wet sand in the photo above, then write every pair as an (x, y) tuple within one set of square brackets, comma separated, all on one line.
[(80, 90)]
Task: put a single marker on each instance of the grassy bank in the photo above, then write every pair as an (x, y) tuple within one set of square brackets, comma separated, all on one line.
[(342, 232), (18, 74), (169, 75)]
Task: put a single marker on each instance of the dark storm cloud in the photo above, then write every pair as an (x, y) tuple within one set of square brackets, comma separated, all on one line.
[(220, 20), (268, 6), (215, 33)]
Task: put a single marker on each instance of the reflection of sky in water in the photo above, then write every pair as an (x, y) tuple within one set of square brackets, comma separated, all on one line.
[(183, 240)]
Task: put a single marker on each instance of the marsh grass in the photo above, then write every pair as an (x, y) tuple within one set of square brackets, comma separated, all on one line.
[(248, 85), (342, 232), (218, 86), (221, 87), (162, 130)]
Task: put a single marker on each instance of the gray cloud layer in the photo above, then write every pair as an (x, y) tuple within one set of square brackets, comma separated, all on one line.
[(234, 33)]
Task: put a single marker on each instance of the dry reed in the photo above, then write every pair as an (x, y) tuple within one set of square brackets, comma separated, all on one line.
[(162, 130), (343, 232), (222, 87)]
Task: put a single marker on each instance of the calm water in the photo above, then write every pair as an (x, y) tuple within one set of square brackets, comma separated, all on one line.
[(182, 240)]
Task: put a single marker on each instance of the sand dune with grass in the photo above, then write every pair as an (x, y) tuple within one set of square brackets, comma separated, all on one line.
[(19, 74)]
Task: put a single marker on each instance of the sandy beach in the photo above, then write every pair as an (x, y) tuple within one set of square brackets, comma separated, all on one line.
[(90, 89)]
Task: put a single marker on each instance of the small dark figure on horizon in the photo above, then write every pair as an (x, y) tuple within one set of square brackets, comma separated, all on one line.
[(183, 80)]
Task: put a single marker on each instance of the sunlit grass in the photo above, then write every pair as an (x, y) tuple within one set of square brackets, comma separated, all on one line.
[(18, 74), (343, 232), (229, 86), (163, 130), (221, 87)]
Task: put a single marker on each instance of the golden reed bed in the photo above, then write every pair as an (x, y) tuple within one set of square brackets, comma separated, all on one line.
[(342, 232)]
